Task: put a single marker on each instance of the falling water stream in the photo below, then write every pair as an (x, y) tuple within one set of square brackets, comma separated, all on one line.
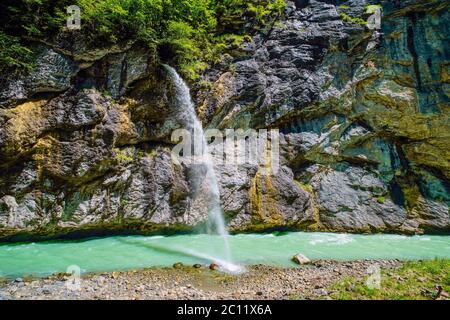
[(203, 176)]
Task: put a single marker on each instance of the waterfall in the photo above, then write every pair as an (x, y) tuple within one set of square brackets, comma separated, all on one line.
[(203, 177)]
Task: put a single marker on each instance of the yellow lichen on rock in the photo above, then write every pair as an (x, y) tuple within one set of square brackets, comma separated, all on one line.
[(220, 94), (124, 127), (262, 194), (445, 72), (25, 125)]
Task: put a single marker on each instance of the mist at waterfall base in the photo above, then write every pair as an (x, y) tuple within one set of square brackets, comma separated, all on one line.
[(276, 249), (202, 176)]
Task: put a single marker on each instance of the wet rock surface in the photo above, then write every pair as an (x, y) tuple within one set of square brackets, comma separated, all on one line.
[(85, 139), (187, 283)]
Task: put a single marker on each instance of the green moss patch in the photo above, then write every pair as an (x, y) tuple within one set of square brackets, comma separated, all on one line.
[(424, 280)]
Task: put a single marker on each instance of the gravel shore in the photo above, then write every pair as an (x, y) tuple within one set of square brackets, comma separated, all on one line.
[(186, 282)]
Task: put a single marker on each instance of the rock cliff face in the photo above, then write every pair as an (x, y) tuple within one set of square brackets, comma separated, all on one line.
[(363, 115)]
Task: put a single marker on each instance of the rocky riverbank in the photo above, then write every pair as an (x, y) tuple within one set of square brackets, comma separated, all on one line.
[(312, 281)]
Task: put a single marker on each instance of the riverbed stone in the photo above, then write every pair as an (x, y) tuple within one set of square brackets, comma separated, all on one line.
[(301, 259)]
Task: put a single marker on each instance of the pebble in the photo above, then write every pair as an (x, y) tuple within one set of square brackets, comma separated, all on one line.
[(320, 292)]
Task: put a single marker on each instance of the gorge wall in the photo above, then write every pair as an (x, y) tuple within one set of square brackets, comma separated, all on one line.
[(363, 115)]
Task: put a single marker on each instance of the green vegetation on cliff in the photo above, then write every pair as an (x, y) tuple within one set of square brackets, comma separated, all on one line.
[(193, 32), (13, 55)]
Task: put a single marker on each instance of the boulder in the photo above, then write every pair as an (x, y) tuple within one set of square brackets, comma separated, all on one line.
[(301, 259)]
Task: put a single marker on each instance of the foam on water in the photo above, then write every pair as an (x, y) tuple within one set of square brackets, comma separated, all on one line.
[(334, 239)]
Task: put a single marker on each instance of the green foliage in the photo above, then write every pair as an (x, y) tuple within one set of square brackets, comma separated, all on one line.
[(381, 199), (230, 13), (355, 20), (195, 31), (372, 8), (414, 280), (123, 156), (14, 57)]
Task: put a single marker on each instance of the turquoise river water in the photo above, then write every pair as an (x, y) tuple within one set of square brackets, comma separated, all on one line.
[(130, 252)]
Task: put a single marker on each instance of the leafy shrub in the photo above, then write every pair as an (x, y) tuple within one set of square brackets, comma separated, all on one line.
[(14, 57)]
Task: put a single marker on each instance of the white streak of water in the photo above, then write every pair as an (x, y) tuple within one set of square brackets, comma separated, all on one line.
[(204, 173)]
